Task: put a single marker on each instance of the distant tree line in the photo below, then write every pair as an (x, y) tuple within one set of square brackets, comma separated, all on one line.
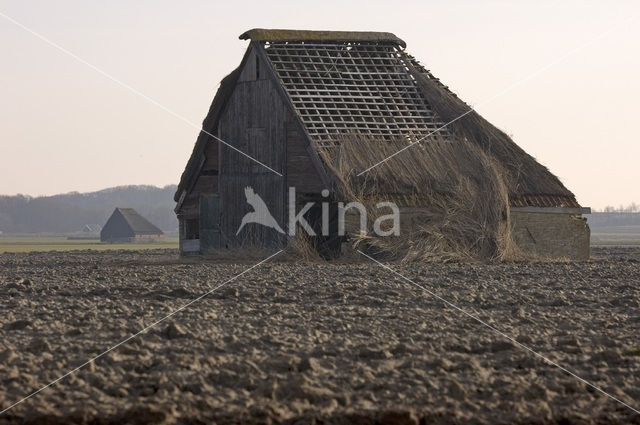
[(68, 213), (631, 208), (612, 216)]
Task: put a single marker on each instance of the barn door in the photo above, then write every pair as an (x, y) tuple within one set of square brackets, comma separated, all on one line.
[(209, 222)]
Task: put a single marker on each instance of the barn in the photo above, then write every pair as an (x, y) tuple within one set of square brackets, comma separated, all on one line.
[(125, 226), (321, 111)]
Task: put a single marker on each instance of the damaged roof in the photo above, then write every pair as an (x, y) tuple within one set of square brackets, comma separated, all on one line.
[(361, 88), (364, 83)]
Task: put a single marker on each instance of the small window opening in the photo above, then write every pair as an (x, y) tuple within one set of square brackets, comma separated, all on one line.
[(257, 69)]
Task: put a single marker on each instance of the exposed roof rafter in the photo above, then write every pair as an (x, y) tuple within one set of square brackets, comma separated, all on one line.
[(353, 88)]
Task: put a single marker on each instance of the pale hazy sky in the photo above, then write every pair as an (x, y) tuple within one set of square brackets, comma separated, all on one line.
[(65, 127)]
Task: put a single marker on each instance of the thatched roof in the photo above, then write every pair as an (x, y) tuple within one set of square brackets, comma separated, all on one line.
[(531, 183), (364, 84)]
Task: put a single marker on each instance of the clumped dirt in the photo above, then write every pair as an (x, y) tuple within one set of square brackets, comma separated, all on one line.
[(318, 343)]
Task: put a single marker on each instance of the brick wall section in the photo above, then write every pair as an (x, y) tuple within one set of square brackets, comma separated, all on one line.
[(551, 235)]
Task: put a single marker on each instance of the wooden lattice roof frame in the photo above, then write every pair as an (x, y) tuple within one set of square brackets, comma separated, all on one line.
[(355, 87)]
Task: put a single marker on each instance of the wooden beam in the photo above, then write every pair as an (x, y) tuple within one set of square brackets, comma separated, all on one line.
[(552, 210)]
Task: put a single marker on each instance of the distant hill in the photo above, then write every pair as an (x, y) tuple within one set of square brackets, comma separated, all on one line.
[(69, 212)]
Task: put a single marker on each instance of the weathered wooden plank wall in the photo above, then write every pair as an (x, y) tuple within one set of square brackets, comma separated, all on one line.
[(301, 172), (209, 223), (205, 182), (253, 122), (258, 120)]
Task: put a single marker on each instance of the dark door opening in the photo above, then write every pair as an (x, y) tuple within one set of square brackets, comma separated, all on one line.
[(327, 242)]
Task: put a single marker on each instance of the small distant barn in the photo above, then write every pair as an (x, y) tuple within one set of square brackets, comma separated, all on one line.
[(125, 225), (297, 95)]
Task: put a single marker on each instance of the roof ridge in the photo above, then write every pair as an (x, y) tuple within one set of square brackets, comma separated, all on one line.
[(136, 221), (264, 34)]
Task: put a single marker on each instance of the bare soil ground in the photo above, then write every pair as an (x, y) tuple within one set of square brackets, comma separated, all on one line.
[(317, 342)]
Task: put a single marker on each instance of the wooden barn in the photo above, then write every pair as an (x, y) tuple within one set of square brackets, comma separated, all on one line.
[(126, 226), (298, 95)]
